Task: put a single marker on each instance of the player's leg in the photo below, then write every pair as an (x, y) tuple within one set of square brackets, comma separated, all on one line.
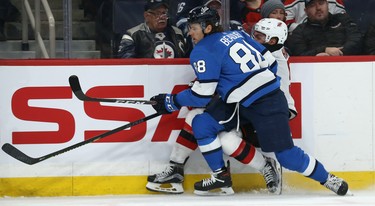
[(205, 129), (296, 159), (234, 145), (272, 125), (170, 180), (273, 182)]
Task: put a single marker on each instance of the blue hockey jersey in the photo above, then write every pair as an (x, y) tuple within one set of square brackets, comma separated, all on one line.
[(233, 65)]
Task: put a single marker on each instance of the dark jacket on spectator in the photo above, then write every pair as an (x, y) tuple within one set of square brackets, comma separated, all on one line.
[(140, 42), (369, 41), (309, 39)]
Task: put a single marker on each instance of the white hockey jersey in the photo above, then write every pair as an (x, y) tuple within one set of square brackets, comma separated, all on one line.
[(295, 11), (282, 57)]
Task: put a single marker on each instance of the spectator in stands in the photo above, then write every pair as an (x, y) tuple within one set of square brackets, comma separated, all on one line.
[(216, 4), (251, 13), (154, 38), (325, 34), (369, 41), (295, 11), (183, 9), (184, 6), (273, 9)]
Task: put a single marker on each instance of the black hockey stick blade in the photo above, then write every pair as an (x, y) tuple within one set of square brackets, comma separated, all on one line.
[(77, 90), (19, 155)]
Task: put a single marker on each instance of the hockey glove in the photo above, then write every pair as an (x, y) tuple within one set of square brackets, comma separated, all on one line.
[(165, 103)]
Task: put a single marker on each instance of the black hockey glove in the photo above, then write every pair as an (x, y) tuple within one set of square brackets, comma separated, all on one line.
[(165, 103)]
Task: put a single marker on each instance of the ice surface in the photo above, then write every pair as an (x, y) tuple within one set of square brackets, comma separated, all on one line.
[(319, 198)]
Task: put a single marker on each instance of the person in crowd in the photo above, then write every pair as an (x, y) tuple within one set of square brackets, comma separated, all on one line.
[(273, 9), (295, 11), (241, 71), (250, 13), (184, 6), (325, 34), (234, 24), (369, 40), (154, 38)]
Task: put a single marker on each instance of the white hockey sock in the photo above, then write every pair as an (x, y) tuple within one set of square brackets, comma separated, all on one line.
[(180, 153)]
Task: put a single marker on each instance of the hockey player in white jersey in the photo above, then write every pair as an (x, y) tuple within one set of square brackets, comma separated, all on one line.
[(237, 68), (272, 33)]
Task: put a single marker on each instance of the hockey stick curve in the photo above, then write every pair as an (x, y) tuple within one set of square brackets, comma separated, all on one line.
[(19, 155), (77, 90)]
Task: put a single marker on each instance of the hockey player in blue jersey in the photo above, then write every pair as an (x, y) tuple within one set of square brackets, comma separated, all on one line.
[(238, 68)]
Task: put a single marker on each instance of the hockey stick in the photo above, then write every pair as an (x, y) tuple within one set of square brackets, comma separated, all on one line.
[(77, 90), (17, 154)]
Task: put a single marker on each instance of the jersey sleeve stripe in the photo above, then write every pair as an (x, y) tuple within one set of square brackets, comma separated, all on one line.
[(204, 89), (252, 84)]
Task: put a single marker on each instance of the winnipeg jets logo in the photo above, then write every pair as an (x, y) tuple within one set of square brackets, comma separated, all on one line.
[(164, 49)]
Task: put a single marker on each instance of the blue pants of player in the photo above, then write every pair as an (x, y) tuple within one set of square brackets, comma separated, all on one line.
[(270, 117)]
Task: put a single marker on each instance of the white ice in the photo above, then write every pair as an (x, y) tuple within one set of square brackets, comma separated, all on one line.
[(320, 198)]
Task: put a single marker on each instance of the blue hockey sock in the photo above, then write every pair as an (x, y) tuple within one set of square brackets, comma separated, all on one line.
[(296, 159), (205, 130)]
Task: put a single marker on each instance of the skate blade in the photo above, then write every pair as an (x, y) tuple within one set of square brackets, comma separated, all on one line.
[(349, 193), (174, 188), (277, 191), (216, 192), (279, 188)]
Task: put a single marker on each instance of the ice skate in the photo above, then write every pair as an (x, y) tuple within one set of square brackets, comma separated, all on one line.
[(168, 181), (337, 185), (272, 174), (220, 183)]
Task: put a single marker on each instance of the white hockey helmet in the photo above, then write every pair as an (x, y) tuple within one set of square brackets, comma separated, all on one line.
[(272, 27)]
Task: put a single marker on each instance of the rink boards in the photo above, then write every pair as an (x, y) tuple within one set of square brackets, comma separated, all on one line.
[(39, 115)]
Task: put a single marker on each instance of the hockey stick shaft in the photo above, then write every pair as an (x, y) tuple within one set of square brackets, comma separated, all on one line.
[(77, 90), (19, 155)]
